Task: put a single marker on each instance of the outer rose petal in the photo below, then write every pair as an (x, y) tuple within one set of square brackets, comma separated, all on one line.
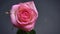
[(13, 17), (23, 26)]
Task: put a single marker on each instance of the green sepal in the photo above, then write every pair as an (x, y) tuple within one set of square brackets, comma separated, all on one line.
[(24, 32)]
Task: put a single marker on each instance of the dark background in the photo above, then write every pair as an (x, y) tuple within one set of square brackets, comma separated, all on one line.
[(48, 21)]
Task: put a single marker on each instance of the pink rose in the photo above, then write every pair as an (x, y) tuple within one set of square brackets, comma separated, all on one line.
[(24, 15)]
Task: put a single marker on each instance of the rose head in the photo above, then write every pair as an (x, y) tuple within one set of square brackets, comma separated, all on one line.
[(24, 15)]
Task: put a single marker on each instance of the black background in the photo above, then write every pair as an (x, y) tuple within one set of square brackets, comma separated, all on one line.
[(48, 21)]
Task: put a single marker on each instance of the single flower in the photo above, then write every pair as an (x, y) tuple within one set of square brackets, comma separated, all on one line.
[(24, 15)]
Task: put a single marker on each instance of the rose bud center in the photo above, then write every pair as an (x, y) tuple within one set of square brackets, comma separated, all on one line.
[(24, 15)]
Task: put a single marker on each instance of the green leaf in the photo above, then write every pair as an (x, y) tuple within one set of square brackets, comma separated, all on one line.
[(23, 32)]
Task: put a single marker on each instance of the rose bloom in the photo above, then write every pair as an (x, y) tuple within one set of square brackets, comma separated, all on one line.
[(24, 15)]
